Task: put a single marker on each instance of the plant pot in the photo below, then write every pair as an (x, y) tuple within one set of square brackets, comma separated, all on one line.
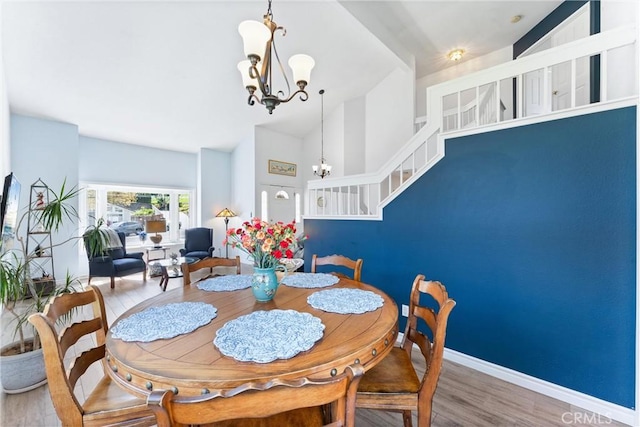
[(44, 286), (21, 372)]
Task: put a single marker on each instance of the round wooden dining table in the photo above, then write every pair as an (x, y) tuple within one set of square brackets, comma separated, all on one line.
[(190, 364)]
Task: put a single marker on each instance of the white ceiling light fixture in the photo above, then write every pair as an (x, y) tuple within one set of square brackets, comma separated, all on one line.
[(256, 70), (324, 169), (455, 55)]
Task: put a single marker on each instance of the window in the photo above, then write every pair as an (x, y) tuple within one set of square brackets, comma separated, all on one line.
[(126, 209)]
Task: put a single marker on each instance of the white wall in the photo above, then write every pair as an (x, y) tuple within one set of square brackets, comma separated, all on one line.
[(48, 150), (53, 150), (215, 194), (616, 13), (389, 118), (243, 185), (276, 146), (110, 162), (354, 135), (5, 151), (613, 14), (334, 145)]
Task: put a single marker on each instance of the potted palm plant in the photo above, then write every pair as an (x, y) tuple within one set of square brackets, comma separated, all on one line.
[(21, 362)]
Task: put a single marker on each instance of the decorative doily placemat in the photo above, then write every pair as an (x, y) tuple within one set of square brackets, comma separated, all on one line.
[(232, 282), (345, 301), (264, 336), (166, 321), (310, 280)]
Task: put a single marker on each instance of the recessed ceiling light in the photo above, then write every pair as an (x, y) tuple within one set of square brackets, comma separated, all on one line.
[(516, 18), (455, 55)]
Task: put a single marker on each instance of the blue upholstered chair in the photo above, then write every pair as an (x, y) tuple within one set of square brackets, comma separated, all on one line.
[(116, 263), (198, 243)]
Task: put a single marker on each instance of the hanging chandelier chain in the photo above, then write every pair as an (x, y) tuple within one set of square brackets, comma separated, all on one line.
[(322, 126), (323, 169)]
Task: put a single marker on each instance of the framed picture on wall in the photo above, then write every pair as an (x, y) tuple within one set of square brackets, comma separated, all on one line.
[(282, 168)]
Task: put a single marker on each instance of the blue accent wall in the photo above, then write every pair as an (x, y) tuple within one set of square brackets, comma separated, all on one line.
[(532, 230)]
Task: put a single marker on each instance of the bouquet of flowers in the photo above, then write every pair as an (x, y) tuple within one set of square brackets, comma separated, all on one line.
[(266, 243)]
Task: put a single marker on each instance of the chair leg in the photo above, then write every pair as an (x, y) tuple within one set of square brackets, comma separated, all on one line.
[(424, 413), (144, 275), (406, 418), (113, 282), (89, 281)]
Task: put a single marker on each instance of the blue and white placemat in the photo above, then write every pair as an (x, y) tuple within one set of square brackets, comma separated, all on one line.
[(310, 280), (345, 301), (166, 321), (226, 283), (264, 336)]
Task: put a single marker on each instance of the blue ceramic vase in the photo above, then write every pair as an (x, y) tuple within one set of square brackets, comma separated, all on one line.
[(264, 283)]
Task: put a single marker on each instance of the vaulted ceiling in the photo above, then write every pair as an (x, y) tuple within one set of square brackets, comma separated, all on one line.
[(163, 74)]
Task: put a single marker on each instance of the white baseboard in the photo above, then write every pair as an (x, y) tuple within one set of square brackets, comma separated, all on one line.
[(592, 404)]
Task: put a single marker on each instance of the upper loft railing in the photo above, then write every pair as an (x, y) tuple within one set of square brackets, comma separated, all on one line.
[(538, 85)]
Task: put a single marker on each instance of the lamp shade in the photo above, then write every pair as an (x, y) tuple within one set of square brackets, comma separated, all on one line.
[(255, 36), (156, 226), (301, 65), (225, 213), (243, 67)]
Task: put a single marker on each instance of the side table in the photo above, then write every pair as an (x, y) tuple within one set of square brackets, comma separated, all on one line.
[(171, 269)]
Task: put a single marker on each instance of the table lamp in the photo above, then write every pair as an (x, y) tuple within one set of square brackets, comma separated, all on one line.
[(226, 213), (156, 226)]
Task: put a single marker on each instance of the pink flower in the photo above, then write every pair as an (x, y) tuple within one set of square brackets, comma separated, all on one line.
[(266, 243)]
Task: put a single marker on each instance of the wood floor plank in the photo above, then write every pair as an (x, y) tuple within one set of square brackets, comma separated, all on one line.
[(464, 397)]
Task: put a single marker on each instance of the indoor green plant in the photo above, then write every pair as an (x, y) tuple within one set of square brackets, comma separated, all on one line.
[(20, 296)]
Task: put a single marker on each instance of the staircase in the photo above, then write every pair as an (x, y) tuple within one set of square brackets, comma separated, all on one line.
[(517, 93)]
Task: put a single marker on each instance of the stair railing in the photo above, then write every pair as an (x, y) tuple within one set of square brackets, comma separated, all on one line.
[(364, 196)]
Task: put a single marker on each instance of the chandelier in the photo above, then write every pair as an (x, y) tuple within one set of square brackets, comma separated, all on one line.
[(256, 70), (324, 169)]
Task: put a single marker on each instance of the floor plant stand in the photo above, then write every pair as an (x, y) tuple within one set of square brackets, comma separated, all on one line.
[(39, 243)]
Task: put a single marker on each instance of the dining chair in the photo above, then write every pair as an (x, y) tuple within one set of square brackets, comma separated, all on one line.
[(393, 384), (274, 403), (341, 261), (209, 263), (107, 403)]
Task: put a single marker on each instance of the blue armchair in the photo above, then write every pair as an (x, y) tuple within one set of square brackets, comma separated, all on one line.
[(198, 243), (116, 263)]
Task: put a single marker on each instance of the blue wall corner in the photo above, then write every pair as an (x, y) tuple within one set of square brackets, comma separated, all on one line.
[(532, 230)]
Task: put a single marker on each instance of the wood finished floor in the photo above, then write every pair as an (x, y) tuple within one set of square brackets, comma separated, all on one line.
[(464, 397)]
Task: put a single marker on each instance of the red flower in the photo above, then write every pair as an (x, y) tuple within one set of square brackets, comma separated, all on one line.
[(289, 253), (277, 254), (284, 244)]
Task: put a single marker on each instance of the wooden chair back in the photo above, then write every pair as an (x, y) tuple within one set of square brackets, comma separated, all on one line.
[(266, 402), (209, 263), (107, 403), (339, 260), (432, 349), (393, 384)]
